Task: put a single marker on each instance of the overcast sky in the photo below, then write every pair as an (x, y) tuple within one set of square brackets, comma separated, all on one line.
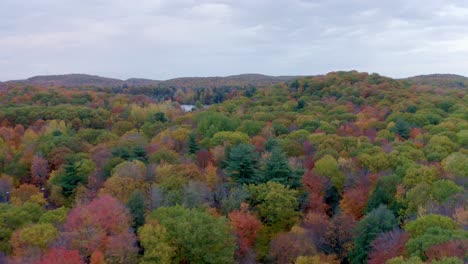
[(161, 39)]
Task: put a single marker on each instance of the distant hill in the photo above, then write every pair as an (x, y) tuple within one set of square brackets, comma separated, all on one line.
[(71, 80), (83, 80), (139, 82), (233, 80), (439, 80)]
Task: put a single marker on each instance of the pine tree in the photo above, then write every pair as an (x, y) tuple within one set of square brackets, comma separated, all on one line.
[(277, 168), (193, 147), (242, 164), (136, 206)]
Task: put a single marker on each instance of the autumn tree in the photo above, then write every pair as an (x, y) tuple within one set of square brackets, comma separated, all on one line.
[(104, 223), (39, 170), (61, 255), (246, 227), (378, 221), (328, 167), (197, 236), (387, 246), (275, 203)]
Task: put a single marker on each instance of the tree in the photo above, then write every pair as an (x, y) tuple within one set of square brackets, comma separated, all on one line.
[(198, 236), (419, 245), (384, 193), (339, 235), (27, 193), (421, 225), (430, 230), (39, 170), (277, 169), (242, 164), (34, 237), (439, 147), (156, 241), (316, 187), (203, 158), (55, 216), (122, 188), (387, 246), (354, 200), (193, 147), (456, 164), (328, 167), (136, 207), (246, 227), (453, 248), (275, 203), (402, 260), (402, 128), (61, 255), (417, 175), (378, 221), (76, 170), (105, 224), (287, 247)]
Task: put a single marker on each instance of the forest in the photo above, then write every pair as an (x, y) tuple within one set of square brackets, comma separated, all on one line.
[(347, 167)]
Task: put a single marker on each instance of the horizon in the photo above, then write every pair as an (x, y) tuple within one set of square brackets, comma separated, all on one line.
[(167, 39), (225, 76)]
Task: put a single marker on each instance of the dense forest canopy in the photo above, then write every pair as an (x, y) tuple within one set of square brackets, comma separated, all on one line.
[(348, 167)]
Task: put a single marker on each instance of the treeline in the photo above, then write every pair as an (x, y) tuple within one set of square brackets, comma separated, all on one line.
[(344, 168)]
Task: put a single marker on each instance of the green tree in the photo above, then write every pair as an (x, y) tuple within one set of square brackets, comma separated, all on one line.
[(417, 175), (328, 167), (277, 169), (136, 206), (402, 260), (197, 236), (156, 241), (419, 226), (76, 170), (33, 236), (193, 146), (275, 203), (384, 193), (402, 128), (418, 245), (456, 164), (378, 221), (242, 164)]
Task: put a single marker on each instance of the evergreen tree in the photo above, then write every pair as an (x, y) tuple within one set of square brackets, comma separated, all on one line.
[(378, 221), (193, 147), (71, 177), (402, 128), (136, 206), (277, 169), (242, 164)]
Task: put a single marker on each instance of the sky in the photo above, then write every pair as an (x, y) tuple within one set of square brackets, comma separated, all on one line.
[(163, 39)]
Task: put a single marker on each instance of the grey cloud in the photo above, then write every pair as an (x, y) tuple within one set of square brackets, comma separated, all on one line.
[(162, 39)]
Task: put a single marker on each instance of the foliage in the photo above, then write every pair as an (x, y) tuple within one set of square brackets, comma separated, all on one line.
[(378, 221), (197, 236)]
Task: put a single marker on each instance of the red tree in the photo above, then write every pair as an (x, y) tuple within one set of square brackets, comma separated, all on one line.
[(61, 255), (454, 248), (246, 227), (39, 170), (102, 224), (388, 245), (315, 186), (204, 158)]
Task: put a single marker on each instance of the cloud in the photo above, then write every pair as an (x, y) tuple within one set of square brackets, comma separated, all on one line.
[(170, 38)]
